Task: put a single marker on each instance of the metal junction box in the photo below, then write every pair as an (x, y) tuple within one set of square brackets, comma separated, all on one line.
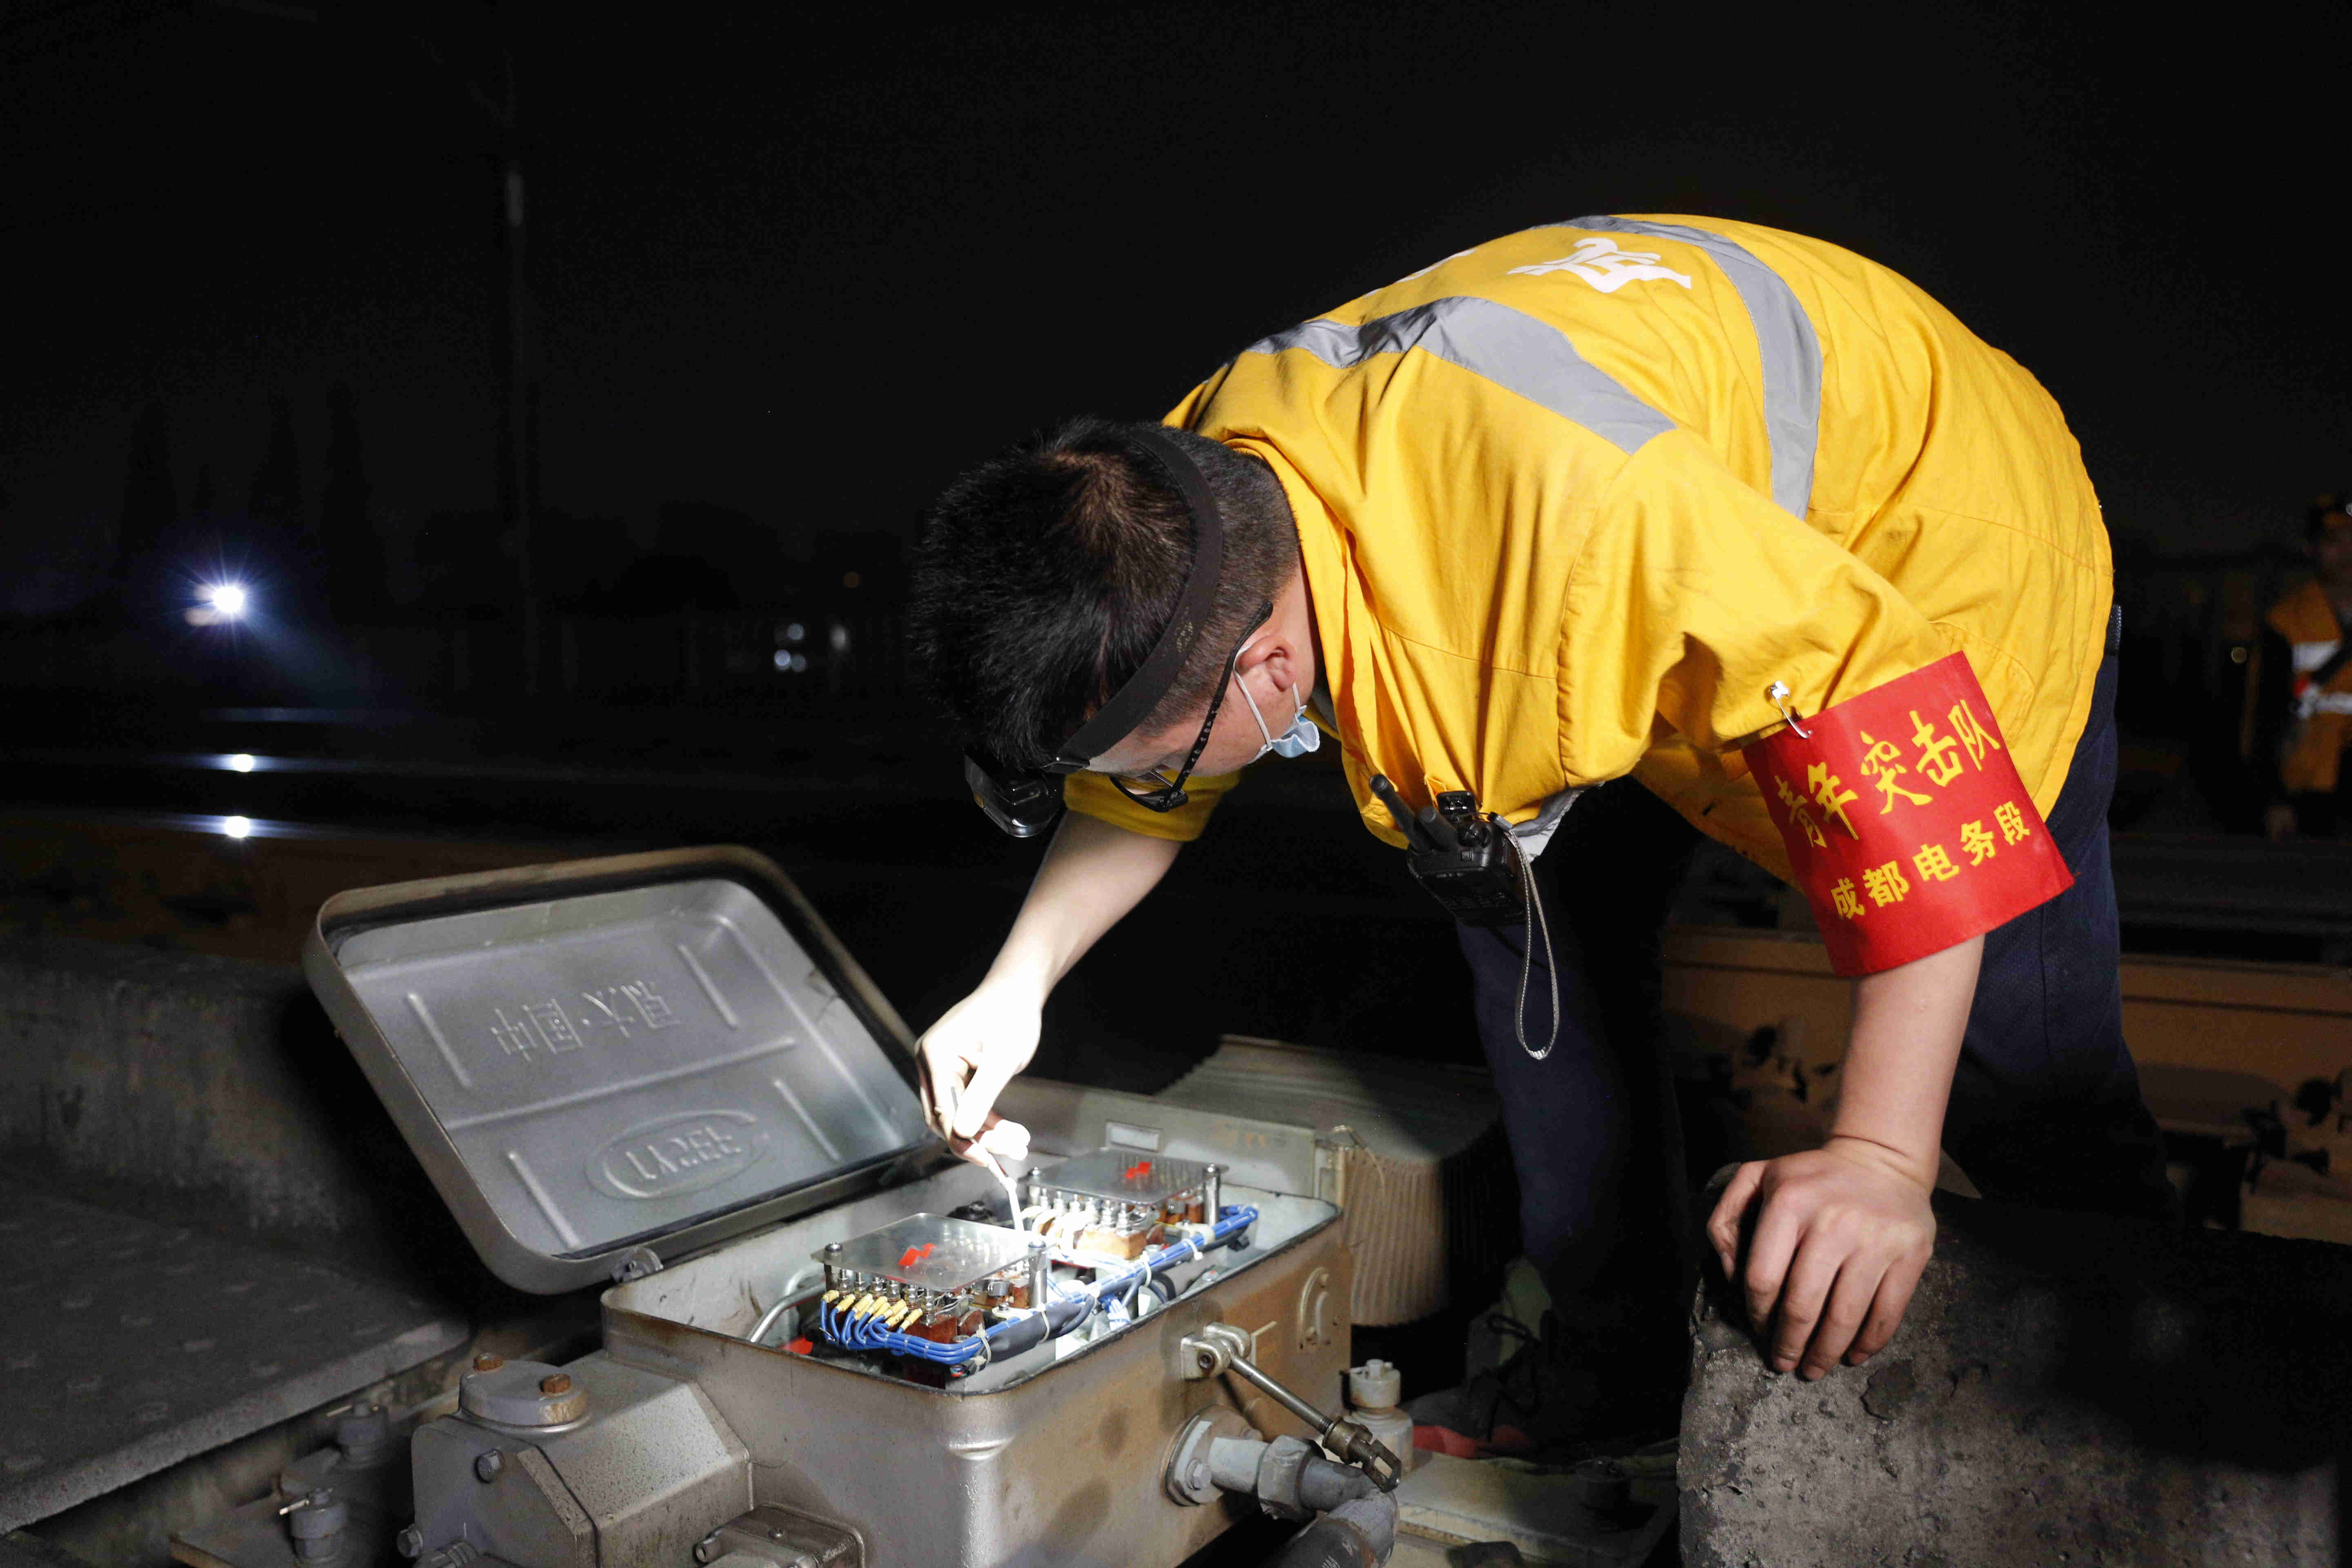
[(663, 1070)]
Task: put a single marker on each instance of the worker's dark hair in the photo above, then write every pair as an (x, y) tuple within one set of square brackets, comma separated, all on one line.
[(2322, 509), (1044, 576)]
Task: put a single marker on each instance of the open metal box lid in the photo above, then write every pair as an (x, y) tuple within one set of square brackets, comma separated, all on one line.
[(589, 1059)]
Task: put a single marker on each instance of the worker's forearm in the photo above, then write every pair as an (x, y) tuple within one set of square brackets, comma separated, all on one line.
[(1093, 874), (1907, 1026)]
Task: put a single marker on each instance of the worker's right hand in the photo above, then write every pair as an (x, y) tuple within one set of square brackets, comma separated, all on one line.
[(968, 1058)]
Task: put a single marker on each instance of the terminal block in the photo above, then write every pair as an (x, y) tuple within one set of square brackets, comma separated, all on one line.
[(928, 1276), (1116, 1202)]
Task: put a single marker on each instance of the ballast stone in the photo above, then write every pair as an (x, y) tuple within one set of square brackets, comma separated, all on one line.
[(2065, 1388)]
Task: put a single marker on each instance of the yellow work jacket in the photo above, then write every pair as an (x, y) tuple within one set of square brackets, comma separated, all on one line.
[(1571, 501)]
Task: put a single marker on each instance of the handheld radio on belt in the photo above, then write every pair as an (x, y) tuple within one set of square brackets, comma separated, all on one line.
[(1465, 859), (1469, 863)]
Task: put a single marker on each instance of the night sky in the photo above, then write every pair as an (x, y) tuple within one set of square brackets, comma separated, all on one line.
[(810, 265)]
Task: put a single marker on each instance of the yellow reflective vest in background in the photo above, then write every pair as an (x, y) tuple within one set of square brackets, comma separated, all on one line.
[(1572, 502)]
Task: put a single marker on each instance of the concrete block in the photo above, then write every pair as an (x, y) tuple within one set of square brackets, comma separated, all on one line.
[(2066, 1389), (208, 1091)]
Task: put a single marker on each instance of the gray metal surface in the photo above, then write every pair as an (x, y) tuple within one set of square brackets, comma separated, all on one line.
[(132, 1345), (1071, 1119), (522, 1394), (621, 1063), (524, 1514), (658, 1049), (930, 1251), (1055, 1457), (1124, 1176), (779, 1538), (375, 1498), (649, 1471)]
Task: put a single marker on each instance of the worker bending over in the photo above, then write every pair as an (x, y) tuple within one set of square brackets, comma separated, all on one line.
[(1575, 543), (2299, 687)]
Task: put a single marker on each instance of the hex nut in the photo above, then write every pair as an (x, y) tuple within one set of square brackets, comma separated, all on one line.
[(556, 1383), (1191, 1475), (488, 1362), (411, 1542), (487, 1466)]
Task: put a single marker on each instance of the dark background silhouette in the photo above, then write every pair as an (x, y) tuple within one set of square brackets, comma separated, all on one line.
[(805, 267), (782, 274)]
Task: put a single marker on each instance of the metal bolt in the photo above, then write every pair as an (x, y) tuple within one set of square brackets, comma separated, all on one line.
[(555, 1382), (411, 1542), (488, 1362), (1041, 1274), (1197, 1477), (705, 1548), (488, 1466)]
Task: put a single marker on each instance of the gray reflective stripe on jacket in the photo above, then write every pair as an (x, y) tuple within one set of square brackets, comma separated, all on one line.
[(1518, 354), (1535, 834), (1785, 343), (1510, 348)]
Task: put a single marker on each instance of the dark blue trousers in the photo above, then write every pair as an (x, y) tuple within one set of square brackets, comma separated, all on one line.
[(2045, 1105)]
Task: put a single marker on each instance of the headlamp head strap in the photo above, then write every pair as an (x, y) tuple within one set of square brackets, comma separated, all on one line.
[(1141, 692)]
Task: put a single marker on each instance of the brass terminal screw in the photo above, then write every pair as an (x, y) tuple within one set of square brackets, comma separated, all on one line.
[(555, 1382), (488, 1362)]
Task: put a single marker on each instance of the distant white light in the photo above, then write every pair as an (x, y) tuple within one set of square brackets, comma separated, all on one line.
[(838, 637), (228, 598), (800, 661), (242, 763), (237, 826), (795, 632), (783, 658)]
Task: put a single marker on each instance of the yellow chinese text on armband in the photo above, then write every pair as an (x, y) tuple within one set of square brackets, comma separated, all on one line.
[(1905, 821)]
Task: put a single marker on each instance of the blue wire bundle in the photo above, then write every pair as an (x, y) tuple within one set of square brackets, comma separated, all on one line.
[(866, 1336)]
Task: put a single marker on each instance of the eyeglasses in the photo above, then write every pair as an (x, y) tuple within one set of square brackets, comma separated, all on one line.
[(1153, 787)]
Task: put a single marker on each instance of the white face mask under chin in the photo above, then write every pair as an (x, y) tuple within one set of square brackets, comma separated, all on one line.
[(1300, 738)]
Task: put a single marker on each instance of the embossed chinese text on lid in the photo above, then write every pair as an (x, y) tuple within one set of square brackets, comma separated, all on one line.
[(658, 1049)]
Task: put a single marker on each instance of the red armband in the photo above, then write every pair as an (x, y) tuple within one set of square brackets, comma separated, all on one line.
[(1905, 821)]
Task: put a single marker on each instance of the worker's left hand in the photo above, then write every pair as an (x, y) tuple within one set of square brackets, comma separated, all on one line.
[(1841, 1233)]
